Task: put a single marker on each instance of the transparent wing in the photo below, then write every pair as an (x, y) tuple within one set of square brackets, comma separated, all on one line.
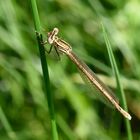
[(90, 78), (98, 94)]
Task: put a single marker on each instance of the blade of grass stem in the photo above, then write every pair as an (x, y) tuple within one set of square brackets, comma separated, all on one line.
[(45, 70), (65, 128), (11, 134), (119, 85)]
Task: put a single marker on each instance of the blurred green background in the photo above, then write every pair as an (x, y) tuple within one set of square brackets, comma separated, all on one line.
[(23, 106)]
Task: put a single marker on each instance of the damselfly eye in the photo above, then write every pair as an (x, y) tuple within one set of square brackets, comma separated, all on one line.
[(56, 30)]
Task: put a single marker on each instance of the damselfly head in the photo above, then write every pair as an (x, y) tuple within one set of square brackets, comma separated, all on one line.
[(54, 32), (52, 35)]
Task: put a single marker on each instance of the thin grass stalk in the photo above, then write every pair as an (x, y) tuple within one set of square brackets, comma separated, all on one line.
[(11, 134), (65, 128), (119, 85), (45, 70)]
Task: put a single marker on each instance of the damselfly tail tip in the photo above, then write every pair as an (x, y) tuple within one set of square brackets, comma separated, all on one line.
[(125, 114), (129, 117)]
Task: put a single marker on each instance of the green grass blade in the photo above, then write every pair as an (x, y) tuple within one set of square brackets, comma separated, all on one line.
[(65, 128), (119, 85), (45, 70), (11, 134)]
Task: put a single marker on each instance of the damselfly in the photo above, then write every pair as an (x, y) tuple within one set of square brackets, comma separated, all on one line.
[(63, 47)]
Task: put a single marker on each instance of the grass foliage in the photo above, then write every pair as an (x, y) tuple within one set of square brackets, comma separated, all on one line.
[(24, 112)]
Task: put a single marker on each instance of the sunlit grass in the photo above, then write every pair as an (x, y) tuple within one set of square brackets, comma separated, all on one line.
[(80, 116)]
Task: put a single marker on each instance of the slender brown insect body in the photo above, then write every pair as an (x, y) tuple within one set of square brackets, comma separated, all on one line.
[(64, 47)]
